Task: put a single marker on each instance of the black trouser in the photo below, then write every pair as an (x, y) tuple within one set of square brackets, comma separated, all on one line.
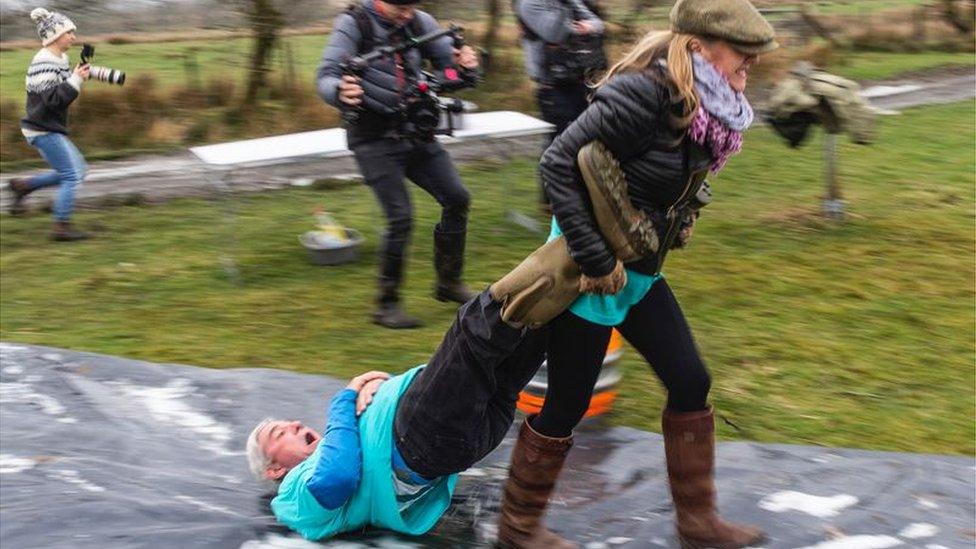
[(655, 326), (560, 105), (460, 406), (385, 163)]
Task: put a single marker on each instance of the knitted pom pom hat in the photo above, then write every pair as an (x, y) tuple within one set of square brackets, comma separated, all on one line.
[(51, 25)]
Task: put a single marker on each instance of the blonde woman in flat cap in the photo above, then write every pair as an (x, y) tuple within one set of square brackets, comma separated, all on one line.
[(671, 110)]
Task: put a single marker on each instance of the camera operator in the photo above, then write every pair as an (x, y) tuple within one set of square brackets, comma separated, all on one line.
[(550, 29), (51, 88), (387, 146)]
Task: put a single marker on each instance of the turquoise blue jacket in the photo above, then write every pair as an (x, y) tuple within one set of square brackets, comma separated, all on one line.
[(374, 503), (610, 310)]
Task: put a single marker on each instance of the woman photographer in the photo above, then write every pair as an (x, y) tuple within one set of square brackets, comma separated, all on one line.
[(51, 88), (671, 110)]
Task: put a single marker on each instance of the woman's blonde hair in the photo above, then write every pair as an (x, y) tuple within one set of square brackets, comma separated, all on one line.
[(674, 47)]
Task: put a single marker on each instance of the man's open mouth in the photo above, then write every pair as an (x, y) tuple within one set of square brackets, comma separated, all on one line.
[(310, 438)]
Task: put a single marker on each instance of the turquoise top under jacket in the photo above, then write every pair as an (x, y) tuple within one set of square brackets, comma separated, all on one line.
[(610, 310), (374, 503)]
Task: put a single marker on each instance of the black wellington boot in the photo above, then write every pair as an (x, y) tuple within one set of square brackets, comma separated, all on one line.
[(449, 262), (388, 312)]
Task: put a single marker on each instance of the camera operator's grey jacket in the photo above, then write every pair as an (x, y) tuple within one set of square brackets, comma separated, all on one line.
[(552, 22), (379, 81)]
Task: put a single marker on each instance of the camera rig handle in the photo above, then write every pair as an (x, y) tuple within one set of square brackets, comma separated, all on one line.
[(356, 66)]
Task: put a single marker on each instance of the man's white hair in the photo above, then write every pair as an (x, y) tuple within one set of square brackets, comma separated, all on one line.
[(257, 461)]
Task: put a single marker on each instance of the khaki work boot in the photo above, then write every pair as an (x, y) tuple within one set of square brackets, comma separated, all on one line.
[(689, 445), (536, 463)]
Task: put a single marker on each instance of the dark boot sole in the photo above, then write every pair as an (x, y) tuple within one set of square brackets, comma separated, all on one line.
[(444, 298), (395, 326), (66, 238), (688, 543)]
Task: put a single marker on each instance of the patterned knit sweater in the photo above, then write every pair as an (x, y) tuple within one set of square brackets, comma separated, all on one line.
[(51, 88)]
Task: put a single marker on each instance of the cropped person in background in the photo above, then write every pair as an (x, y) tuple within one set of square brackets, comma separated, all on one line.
[(51, 88), (562, 41), (388, 146)]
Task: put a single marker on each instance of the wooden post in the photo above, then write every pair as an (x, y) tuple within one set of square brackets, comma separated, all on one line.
[(833, 204)]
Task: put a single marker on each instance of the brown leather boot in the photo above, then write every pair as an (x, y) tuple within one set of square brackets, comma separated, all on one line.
[(19, 188), (536, 463), (689, 444), (64, 232)]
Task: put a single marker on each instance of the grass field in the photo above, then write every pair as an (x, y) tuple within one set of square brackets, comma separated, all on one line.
[(857, 334)]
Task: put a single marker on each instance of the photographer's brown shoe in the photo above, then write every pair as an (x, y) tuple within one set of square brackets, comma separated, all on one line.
[(19, 188), (64, 233)]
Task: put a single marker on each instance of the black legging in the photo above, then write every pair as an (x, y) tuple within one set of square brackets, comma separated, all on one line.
[(655, 326)]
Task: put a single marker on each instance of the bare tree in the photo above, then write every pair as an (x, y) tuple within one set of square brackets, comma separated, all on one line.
[(266, 23), (494, 9), (960, 18)]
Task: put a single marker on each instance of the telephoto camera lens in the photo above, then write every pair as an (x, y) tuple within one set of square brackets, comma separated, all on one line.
[(105, 74)]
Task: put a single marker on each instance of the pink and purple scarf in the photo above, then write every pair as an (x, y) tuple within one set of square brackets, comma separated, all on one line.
[(722, 116)]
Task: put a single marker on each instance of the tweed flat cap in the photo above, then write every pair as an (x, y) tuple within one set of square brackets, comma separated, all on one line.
[(737, 22)]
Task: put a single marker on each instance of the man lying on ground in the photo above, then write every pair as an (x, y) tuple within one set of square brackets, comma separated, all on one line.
[(393, 445)]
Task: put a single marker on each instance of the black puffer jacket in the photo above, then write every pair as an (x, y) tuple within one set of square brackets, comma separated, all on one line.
[(633, 115)]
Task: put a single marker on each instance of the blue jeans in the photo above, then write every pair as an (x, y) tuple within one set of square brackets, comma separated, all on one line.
[(69, 170)]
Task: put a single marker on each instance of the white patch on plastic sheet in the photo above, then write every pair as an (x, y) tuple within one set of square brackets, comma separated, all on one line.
[(205, 506), (821, 507), (53, 357), (919, 530), (858, 542), (72, 477), (926, 503), (935, 546), (277, 541), (229, 479), (474, 472), (10, 348), (660, 542), (14, 370), (13, 464), (619, 540), (486, 530), (166, 405), (23, 393)]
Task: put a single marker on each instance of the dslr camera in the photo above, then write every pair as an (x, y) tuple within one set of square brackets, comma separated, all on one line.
[(103, 74)]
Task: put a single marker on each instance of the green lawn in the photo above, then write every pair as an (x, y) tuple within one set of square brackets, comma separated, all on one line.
[(868, 65), (857, 334)]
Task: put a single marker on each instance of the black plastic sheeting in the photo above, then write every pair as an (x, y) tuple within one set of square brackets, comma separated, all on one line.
[(98, 451)]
